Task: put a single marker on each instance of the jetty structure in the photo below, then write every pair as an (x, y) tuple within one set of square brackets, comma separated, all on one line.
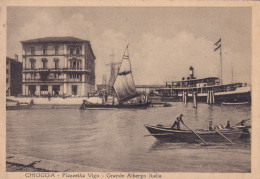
[(57, 66)]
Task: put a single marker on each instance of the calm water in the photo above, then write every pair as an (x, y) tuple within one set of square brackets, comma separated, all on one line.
[(115, 139)]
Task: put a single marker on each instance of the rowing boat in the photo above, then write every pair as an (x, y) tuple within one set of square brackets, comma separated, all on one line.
[(166, 133), (18, 106)]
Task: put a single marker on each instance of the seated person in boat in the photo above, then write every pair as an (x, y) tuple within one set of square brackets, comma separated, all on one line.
[(227, 125), (211, 126), (177, 122), (243, 123)]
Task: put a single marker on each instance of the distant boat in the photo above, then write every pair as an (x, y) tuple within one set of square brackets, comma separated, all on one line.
[(124, 88), (15, 105), (238, 103), (165, 133)]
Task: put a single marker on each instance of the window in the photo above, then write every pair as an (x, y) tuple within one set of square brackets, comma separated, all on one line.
[(32, 76), (74, 75), (32, 64), (7, 71), (56, 49), (44, 87), (56, 75), (71, 50), (32, 51), (77, 50), (56, 63), (7, 62), (32, 89), (44, 63), (6, 80), (44, 50)]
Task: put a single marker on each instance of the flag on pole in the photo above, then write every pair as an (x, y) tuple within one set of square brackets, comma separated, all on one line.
[(217, 45)]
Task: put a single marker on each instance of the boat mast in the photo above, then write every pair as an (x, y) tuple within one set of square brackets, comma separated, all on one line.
[(232, 72), (218, 46), (220, 54)]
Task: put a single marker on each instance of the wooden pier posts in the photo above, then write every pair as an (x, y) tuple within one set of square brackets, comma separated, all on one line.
[(210, 97), (195, 99), (185, 98)]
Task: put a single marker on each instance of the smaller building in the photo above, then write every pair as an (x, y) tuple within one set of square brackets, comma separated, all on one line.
[(103, 87), (13, 76)]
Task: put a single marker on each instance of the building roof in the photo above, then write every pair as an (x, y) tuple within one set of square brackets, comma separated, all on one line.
[(59, 40), (12, 60), (54, 39)]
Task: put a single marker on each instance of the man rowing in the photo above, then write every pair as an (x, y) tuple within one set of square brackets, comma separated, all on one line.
[(177, 122)]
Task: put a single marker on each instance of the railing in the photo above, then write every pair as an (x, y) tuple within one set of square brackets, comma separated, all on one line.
[(56, 70), (47, 80)]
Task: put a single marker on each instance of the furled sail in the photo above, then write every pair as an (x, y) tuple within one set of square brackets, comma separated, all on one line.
[(124, 84)]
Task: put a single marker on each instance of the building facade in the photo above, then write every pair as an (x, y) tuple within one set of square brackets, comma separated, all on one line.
[(13, 77), (58, 66)]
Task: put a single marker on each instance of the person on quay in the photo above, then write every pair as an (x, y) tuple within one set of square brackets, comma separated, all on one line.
[(227, 125), (177, 122)]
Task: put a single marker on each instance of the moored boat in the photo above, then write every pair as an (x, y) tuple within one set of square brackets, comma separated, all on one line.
[(14, 105), (165, 133)]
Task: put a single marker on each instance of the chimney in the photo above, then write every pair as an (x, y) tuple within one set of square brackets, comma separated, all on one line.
[(16, 57), (191, 72)]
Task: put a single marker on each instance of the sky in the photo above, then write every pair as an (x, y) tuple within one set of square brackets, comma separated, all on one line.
[(163, 41)]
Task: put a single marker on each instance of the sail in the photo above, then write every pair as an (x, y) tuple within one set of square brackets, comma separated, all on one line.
[(124, 84)]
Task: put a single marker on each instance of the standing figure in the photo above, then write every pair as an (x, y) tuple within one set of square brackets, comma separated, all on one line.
[(177, 122), (49, 96)]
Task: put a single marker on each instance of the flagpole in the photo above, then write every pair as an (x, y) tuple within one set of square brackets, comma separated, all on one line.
[(220, 54)]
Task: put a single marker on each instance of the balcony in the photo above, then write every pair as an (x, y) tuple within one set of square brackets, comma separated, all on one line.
[(76, 70), (41, 80), (53, 70)]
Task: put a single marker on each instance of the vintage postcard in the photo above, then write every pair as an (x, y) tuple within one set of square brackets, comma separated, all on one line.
[(129, 89)]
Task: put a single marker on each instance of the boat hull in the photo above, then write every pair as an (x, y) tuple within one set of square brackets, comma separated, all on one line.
[(119, 106), (188, 136), (219, 98), (18, 107)]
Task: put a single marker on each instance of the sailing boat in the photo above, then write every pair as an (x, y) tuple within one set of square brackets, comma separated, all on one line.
[(124, 88)]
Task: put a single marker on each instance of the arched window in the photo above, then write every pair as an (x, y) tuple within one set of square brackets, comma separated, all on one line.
[(32, 61), (44, 63), (56, 63), (77, 51), (71, 50)]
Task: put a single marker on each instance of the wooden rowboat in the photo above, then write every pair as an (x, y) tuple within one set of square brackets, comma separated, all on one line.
[(165, 133), (18, 106)]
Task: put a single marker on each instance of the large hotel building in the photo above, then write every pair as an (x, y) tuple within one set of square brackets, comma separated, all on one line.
[(58, 66)]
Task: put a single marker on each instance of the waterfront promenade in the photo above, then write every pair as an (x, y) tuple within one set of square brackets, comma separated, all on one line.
[(56, 100), (19, 163)]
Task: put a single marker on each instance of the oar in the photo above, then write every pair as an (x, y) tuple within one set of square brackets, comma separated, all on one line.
[(223, 136), (238, 123), (195, 133)]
